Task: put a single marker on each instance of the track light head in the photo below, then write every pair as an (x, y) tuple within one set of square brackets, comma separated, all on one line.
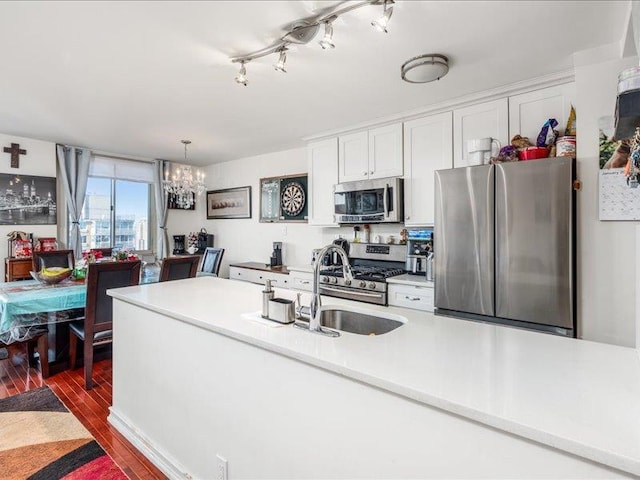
[(381, 23), (327, 40), (281, 61), (241, 78)]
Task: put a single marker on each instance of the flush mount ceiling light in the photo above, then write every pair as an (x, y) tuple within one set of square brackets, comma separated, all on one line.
[(425, 68), (303, 31)]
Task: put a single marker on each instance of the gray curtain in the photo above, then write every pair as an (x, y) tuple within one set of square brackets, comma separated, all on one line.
[(161, 209), (74, 168)]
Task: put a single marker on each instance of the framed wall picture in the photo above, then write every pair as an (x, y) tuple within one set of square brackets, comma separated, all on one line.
[(172, 202), (229, 203), (27, 200)]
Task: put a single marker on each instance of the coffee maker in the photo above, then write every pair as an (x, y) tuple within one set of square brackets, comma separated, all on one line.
[(419, 250), (276, 256), (178, 244), (204, 240)]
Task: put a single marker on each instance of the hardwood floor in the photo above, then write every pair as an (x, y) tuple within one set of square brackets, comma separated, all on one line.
[(91, 408)]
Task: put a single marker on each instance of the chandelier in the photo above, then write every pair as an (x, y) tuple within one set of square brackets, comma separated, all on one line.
[(184, 185)]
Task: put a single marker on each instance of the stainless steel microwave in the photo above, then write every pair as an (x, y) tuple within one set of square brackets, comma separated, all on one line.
[(369, 201)]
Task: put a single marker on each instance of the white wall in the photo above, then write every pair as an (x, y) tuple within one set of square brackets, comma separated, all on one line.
[(606, 250), (247, 239), (40, 160)]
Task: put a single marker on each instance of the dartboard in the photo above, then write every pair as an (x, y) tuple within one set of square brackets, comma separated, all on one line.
[(292, 199)]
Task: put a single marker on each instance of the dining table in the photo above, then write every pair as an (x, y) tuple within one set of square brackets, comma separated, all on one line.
[(29, 305)]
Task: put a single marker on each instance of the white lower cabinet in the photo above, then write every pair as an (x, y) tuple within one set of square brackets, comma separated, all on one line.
[(280, 280), (409, 296), (301, 281)]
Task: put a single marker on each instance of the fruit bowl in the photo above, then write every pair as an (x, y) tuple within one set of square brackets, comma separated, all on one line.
[(52, 275)]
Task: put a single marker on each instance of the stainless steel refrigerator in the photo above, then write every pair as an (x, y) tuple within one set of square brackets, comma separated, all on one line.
[(504, 242)]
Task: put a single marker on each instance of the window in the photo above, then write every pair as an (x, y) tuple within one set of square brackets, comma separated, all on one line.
[(118, 205)]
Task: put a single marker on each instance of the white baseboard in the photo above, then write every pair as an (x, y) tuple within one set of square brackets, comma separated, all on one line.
[(160, 459)]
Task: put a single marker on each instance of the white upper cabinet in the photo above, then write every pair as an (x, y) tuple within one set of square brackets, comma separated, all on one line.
[(428, 146), (385, 151), (353, 157), (489, 119), (529, 111), (376, 153), (323, 175)]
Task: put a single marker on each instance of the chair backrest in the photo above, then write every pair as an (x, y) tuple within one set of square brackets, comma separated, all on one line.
[(101, 277), (52, 258), (212, 260), (177, 268)]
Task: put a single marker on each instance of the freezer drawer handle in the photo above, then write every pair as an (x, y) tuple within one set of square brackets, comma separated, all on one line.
[(411, 298)]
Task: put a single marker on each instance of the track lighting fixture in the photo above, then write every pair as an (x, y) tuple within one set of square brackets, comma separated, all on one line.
[(381, 23), (281, 61), (241, 78), (303, 31), (327, 40)]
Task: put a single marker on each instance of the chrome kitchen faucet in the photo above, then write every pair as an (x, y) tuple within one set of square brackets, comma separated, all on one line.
[(316, 303)]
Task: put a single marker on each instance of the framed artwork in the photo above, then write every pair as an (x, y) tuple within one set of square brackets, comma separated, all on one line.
[(229, 203), (27, 200), (284, 199), (172, 203)]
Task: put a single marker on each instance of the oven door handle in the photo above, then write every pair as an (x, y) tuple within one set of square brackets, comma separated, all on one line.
[(386, 201), (350, 290)]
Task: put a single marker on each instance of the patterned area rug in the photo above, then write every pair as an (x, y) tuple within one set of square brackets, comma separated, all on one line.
[(41, 440)]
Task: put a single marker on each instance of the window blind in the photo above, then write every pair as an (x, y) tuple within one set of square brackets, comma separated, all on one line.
[(121, 169)]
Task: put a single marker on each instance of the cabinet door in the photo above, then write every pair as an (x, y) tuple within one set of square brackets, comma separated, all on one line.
[(529, 111), (353, 157), (489, 119), (385, 151), (427, 147), (323, 175)]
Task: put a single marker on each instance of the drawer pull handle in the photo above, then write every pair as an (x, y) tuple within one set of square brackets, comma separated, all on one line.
[(305, 282), (413, 299)]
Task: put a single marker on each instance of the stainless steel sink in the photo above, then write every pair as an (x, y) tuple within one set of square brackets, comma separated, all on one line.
[(357, 322)]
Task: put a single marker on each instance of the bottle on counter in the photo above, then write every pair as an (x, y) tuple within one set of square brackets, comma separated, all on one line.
[(366, 234), (356, 234), (267, 294)]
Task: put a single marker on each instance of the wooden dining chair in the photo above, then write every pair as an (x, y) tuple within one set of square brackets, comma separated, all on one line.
[(96, 328), (211, 261), (34, 336), (52, 258), (178, 268)]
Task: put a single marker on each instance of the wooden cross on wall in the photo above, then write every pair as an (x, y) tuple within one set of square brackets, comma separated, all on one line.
[(15, 152)]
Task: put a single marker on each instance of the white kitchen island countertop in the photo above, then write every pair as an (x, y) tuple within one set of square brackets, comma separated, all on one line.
[(577, 396)]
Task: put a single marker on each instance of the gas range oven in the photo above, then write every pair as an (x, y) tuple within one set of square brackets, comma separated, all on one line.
[(371, 265)]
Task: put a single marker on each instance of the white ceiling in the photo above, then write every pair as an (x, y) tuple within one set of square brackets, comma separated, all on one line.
[(137, 77)]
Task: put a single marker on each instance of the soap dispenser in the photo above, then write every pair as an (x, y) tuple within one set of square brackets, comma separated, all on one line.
[(267, 294)]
